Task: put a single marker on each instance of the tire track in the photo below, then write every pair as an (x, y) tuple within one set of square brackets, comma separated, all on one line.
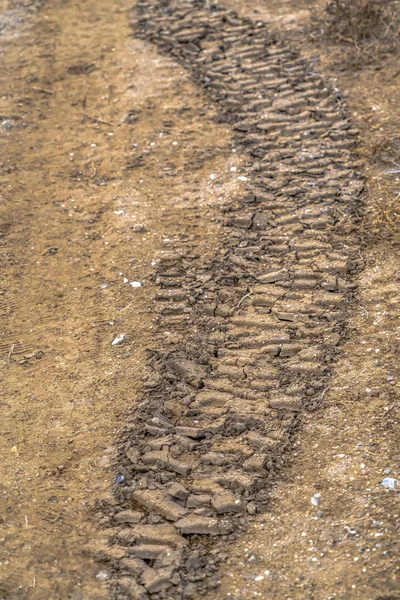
[(255, 330)]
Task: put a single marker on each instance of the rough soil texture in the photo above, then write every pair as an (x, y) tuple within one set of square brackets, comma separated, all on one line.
[(109, 151), (247, 181)]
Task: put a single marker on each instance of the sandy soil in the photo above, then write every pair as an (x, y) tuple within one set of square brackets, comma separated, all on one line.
[(106, 148), (94, 183), (348, 546)]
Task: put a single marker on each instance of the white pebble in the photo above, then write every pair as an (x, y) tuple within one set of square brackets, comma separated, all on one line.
[(316, 500), (118, 340)]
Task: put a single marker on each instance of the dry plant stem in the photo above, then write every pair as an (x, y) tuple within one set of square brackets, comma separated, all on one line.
[(370, 28)]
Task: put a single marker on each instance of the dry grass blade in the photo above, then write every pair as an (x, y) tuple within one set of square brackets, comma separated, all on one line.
[(358, 21), (369, 28)]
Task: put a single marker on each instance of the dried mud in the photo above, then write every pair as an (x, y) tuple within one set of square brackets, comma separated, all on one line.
[(224, 402), (212, 157), (95, 180)]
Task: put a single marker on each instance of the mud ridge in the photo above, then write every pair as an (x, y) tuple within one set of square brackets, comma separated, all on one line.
[(250, 338)]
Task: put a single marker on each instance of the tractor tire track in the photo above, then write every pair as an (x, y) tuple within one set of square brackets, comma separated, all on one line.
[(255, 330)]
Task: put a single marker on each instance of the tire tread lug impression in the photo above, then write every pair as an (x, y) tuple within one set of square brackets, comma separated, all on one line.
[(237, 375)]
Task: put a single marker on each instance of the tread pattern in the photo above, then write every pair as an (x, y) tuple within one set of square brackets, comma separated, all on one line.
[(250, 336)]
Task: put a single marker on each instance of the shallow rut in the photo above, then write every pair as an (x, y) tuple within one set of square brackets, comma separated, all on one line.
[(251, 335)]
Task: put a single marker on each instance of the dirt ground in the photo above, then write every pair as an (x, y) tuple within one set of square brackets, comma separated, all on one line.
[(348, 549), (94, 183), (111, 154)]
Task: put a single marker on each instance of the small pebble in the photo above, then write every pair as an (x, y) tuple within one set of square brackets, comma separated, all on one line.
[(136, 284), (118, 340), (139, 228), (252, 559), (316, 500), (119, 479), (390, 483)]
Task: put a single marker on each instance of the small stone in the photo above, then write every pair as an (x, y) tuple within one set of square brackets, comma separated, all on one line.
[(120, 339), (316, 500), (139, 228), (390, 483)]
